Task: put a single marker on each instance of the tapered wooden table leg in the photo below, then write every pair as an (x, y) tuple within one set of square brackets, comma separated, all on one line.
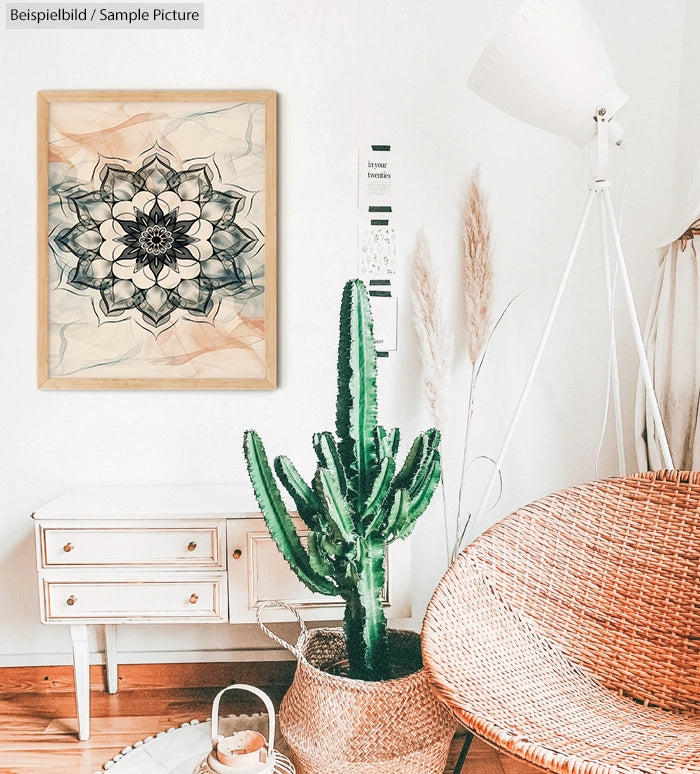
[(111, 664), (81, 676)]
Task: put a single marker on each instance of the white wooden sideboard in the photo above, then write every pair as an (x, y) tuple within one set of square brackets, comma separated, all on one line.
[(180, 554)]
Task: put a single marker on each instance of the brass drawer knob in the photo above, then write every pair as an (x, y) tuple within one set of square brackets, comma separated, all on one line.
[(72, 599), (192, 546), (193, 599), (237, 553), (68, 547)]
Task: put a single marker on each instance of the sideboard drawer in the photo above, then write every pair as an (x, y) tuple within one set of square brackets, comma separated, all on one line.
[(194, 598), (199, 546)]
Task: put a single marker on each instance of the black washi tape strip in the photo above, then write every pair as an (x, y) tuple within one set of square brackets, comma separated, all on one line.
[(380, 293), (379, 223), (381, 147), (382, 354), (379, 282), (383, 208)]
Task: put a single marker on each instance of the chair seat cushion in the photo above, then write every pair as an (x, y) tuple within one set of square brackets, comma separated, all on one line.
[(516, 688)]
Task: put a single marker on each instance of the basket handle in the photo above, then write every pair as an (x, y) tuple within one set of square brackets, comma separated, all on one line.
[(304, 631), (216, 737)]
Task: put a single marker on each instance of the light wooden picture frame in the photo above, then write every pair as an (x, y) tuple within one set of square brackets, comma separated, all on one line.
[(157, 240)]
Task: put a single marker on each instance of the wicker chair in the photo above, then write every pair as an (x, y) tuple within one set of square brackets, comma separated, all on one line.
[(568, 635)]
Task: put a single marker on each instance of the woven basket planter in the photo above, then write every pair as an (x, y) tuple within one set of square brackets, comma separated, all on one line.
[(334, 724)]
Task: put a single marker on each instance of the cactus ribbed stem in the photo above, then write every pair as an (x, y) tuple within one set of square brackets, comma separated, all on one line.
[(370, 586)]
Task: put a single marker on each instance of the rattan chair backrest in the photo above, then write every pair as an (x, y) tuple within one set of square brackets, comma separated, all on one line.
[(610, 571)]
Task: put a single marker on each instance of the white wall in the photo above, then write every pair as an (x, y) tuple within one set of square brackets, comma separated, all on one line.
[(347, 73), (688, 147)]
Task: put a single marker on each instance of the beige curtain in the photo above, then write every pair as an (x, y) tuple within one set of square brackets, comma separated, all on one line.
[(673, 347)]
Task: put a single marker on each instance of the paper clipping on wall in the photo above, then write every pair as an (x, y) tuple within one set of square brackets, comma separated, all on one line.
[(377, 240), (375, 176), (384, 313), (377, 251)]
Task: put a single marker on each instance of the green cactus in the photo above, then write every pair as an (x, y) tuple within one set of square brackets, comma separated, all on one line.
[(358, 502)]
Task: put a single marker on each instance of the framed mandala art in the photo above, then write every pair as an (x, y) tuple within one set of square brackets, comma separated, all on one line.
[(157, 240)]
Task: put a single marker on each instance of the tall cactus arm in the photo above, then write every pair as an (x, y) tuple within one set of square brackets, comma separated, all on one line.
[(337, 506), (411, 464), (304, 497), (424, 468), (328, 457), (386, 442), (326, 526), (380, 443), (356, 407), (385, 525), (422, 451), (418, 502), (321, 562), (394, 438), (276, 517), (380, 489)]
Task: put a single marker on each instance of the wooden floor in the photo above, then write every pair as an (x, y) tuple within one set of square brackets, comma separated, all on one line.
[(38, 731)]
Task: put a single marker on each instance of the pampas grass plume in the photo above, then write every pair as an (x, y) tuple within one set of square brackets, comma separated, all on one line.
[(434, 338), (477, 267)]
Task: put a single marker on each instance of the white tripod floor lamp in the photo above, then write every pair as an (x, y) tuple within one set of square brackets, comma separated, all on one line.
[(548, 66)]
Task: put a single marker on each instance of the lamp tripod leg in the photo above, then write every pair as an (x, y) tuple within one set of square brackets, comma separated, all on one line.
[(613, 365), (636, 330), (538, 356)]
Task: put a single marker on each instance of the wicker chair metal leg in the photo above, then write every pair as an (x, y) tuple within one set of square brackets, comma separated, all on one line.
[(463, 755)]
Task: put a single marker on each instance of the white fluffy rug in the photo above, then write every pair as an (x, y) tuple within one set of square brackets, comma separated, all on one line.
[(179, 750)]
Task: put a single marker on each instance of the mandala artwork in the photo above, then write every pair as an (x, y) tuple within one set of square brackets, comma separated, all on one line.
[(157, 241)]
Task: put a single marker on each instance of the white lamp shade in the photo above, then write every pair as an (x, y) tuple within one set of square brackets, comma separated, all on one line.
[(548, 66)]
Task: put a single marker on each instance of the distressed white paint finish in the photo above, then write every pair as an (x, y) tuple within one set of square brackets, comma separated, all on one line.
[(175, 543), (151, 502), (146, 569), (144, 597)]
